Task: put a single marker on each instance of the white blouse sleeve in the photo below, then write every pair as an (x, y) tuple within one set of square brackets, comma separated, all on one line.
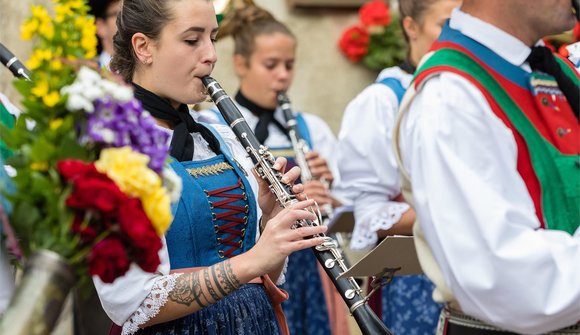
[(136, 297), (367, 166), (478, 218)]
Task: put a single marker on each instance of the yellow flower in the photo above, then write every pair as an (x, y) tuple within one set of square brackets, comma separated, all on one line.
[(56, 123), (40, 89), (39, 166), (51, 99), (62, 12), (40, 13), (55, 65), (28, 29), (46, 30), (128, 169), (158, 208)]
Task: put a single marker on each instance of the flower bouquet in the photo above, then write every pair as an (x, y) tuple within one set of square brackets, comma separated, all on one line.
[(376, 40), (91, 184)]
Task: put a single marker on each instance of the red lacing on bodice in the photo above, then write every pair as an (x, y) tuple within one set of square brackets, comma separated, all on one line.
[(229, 234)]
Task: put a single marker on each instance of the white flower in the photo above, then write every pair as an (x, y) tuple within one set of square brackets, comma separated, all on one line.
[(172, 184), (76, 102)]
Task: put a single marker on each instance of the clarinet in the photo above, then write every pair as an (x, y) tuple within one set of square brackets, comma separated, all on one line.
[(13, 64), (301, 148), (327, 253)]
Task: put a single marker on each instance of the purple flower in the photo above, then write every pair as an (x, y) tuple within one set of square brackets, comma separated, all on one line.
[(115, 124)]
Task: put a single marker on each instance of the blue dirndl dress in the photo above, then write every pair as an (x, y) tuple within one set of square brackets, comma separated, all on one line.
[(214, 220)]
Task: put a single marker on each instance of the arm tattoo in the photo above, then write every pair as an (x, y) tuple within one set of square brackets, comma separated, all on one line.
[(227, 278), (187, 289), (210, 289)]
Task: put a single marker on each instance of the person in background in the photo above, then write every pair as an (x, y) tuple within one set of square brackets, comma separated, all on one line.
[(215, 272), (369, 173), (105, 13), (488, 136), (264, 57)]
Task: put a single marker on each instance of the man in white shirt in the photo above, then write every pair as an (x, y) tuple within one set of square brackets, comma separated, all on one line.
[(500, 242)]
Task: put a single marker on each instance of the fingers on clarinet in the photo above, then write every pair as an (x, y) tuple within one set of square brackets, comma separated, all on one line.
[(280, 164), (291, 176), (308, 243), (297, 189), (308, 232)]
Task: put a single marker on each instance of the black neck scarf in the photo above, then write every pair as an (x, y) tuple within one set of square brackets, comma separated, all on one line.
[(265, 116), (181, 147), (407, 67)]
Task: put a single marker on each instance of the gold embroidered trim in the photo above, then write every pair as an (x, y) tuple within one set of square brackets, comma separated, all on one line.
[(210, 169), (544, 82)]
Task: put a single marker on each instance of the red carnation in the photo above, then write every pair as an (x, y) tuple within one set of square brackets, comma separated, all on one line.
[(148, 259), (108, 259), (96, 191), (136, 225), (70, 169), (375, 13), (354, 43)]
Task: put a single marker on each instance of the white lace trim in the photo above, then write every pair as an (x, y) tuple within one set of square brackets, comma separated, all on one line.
[(149, 308), (364, 234)]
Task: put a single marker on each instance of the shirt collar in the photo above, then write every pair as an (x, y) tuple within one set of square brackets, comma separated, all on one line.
[(505, 45)]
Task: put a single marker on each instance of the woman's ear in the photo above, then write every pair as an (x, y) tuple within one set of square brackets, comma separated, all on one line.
[(241, 65), (411, 28), (142, 46)]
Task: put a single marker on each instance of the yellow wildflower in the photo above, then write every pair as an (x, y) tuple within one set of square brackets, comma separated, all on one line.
[(158, 208), (51, 99), (40, 13), (62, 12), (28, 29), (128, 169), (46, 29), (39, 166), (55, 65), (41, 88), (55, 124)]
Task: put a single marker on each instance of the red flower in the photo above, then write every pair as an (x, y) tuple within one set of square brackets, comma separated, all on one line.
[(71, 169), (87, 233), (148, 259), (354, 43), (375, 13), (108, 259), (92, 189), (136, 225)]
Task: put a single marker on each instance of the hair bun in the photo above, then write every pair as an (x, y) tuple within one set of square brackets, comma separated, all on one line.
[(236, 20)]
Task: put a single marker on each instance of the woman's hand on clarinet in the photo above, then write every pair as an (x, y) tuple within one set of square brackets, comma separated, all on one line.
[(319, 167), (316, 190), (279, 239), (267, 200)]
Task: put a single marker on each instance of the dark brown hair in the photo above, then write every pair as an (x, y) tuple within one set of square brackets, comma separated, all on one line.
[(137, 16), (245, 24)]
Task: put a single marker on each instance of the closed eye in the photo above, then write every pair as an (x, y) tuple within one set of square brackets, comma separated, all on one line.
[(191, 42)]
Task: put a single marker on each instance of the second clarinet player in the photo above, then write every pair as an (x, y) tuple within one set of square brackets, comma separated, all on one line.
[(328, 254)]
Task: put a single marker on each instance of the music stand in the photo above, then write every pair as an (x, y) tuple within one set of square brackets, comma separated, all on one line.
[(395, 254), (342, 220)]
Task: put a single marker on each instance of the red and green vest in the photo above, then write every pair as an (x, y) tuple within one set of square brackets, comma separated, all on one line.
[(545, 129), (6, 122)]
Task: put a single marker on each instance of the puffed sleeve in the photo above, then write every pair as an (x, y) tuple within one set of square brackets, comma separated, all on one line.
[(367, 165)]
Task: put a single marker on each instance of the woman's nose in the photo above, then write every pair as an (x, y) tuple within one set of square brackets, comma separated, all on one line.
[(210, 55)]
